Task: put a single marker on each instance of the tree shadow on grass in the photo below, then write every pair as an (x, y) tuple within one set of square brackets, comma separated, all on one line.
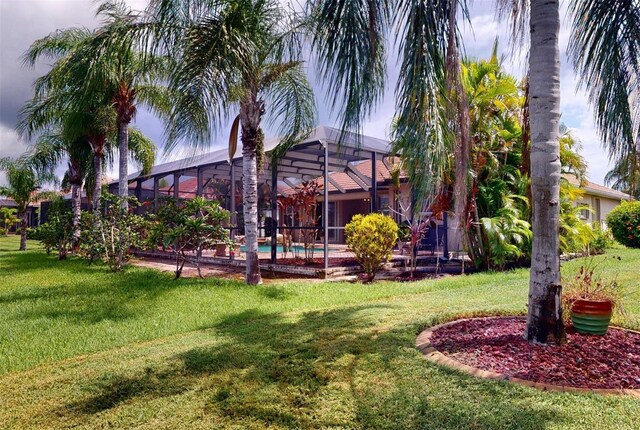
[(330, 368), (87, 294), (115, 390)]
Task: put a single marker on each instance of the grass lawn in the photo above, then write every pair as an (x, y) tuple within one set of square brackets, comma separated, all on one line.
[(82, 347)]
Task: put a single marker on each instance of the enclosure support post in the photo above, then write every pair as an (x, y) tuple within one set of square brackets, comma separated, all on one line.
[(199, 182), (176, 185), (374, 183), (232, 202), (325, 207), (138, 194), (274, 211), (445, 251), (156, 191)]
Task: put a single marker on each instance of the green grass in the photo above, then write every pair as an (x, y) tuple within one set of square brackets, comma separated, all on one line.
[(218, 354)]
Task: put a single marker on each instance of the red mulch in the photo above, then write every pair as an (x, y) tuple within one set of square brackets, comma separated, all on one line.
[(496, 344)]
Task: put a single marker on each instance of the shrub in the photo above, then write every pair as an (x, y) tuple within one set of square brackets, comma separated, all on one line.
[(371, 238), (602, 240), (188, 227), (111, 235), (57, 232), (624, 222), (3, 231)]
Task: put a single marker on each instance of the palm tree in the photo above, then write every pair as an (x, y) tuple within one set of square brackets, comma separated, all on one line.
[(99, 67), (351, 30), (625, 175), (54, 146), (24, 184), (241, 56), (49, 150), (603, 45)]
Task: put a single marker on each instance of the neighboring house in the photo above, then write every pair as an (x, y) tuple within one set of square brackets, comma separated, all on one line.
[(32, 211), (597, 201)]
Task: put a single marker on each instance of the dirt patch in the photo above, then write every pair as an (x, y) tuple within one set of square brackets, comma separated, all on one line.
[(496, 344)]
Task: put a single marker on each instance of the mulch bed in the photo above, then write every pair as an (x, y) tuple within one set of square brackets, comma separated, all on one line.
[(496, 344)]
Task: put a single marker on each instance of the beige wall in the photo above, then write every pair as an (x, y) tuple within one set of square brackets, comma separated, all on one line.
[(594, 216)]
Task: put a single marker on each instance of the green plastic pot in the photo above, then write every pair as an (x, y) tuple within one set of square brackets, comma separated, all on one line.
[(591, 316)]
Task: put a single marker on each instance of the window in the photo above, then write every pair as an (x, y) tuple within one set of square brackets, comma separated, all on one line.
[(585, 212)]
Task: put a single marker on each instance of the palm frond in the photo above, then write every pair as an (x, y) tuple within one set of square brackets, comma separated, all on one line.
[(604, 42), (348, 40), (142, 149), (291, 107)]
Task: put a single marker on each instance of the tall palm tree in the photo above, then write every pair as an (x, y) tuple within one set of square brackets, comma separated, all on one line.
[(625, 175), (55, 146), (544, 318), (24, 187), (352, 30), (604, 43), (99, 67), (241, 56), (49, 150)]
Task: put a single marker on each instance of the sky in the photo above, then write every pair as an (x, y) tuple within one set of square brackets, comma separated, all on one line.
[(24, 21)]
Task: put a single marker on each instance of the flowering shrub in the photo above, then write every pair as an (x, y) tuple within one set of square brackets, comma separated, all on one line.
[(624, 222), (188, 228), (371, 238)]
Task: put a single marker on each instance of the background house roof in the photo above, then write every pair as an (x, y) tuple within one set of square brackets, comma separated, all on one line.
[(597, 189)]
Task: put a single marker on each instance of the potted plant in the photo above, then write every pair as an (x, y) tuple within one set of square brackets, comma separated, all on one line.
[(591, 300)]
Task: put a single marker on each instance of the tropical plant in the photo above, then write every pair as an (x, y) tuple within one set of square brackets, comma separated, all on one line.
[(240, 56), (603, 42), (58, 232), (507, 235), (624, 222), (575, 233), (300, 206), (24, 187), (49, 150), (8, 217), (111, 233), (188, 228), (602, 240), (371, 238)]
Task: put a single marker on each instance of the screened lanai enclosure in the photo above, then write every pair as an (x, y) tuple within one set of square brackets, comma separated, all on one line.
[(304, 201)]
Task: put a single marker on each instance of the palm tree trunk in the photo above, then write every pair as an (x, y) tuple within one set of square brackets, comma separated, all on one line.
[(23, 229), (97, 187), (76, 196), (97, 146), (123, 145), (250, 115), (458, 113), (544, 319)]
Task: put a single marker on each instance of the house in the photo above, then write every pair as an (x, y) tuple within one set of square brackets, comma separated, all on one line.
[(32, 211), (355, 174), (597, 200)]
